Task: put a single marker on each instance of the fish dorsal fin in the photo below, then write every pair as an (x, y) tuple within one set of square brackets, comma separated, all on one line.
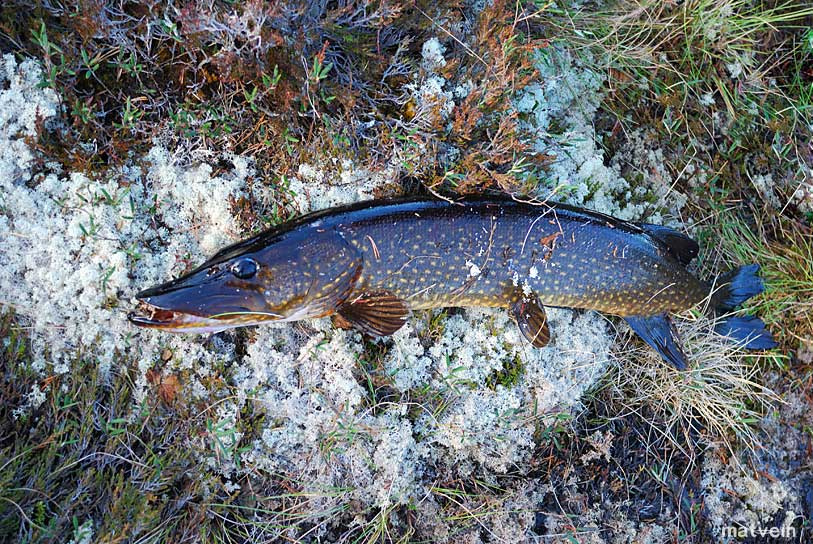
[(659, 332), (683, 248), (377, 313), (532, 320)]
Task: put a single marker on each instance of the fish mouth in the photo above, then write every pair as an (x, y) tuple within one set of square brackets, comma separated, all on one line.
[(201, 302), (153, 317)]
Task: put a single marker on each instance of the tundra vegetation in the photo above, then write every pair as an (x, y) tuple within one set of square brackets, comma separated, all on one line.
[(138, 137)]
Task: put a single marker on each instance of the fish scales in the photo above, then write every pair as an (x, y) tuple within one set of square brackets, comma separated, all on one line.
[(369, 264), (490, 253)]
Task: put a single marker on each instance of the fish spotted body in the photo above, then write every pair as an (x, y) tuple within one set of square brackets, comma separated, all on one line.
[(374, 262)]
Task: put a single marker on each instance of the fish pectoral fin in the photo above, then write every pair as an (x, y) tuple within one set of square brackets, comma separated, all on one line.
[(659, 332), (378, 313), (532, 320)]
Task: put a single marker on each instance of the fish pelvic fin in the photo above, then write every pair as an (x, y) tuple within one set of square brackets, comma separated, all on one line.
[(532, 320), (659, 332), (733, 289)]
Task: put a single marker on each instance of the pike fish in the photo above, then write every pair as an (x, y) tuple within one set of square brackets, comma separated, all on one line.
[(370, 264)]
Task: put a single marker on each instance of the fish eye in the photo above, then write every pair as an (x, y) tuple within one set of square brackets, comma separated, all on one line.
[(245, 268)]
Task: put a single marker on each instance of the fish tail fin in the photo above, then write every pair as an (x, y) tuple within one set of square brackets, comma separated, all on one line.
[(735, 287), (732, 289), (747, 330)]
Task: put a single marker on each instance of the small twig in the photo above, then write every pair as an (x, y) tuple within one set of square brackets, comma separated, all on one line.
[(468, 49)]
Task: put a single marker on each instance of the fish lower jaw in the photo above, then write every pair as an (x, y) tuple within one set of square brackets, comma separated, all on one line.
[(152, 317), (305, 312), (177, 322)]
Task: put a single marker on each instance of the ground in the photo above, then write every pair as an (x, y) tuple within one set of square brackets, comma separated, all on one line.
[(139, 138)]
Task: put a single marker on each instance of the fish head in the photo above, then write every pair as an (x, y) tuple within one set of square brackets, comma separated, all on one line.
[(287, 279)]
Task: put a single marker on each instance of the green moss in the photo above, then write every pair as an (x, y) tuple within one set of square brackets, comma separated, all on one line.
[(556, 127), (508, 376), (435, 324)]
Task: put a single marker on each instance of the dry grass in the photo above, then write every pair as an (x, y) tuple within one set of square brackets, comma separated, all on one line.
[(727, 89), (724, 84), (718, 399), (729, 48)]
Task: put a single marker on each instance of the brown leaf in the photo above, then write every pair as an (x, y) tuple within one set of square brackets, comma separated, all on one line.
[(166, 386)]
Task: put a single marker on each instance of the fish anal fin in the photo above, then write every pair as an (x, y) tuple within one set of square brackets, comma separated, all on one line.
[(377, 313), (659, 332), (532, 320), (683, 248)]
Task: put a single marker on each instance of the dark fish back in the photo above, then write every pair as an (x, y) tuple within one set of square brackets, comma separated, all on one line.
[(493, 252)]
